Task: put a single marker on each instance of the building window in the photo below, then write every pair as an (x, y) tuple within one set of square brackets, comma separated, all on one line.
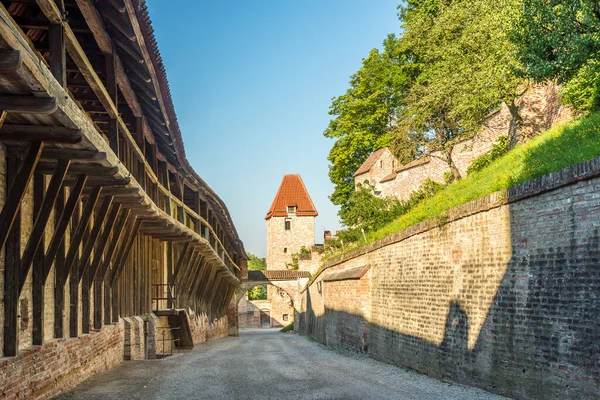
[(285, 249), (291, 209), (380, 164), (286, 317), (288, 224)]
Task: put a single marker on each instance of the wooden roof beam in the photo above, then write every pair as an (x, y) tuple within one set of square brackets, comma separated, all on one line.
[(10, 60), (57, 134)]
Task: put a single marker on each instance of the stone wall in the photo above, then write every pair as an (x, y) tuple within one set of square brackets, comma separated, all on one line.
[(502, 293), (540, 109), (60, 364), (281, 243)]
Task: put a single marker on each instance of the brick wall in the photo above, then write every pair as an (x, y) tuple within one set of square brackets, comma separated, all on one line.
[(203, 330), (502, 294), (60, 364), (346, 317)]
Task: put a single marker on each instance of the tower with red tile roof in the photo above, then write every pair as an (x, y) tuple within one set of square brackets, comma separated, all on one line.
[(290, 222)]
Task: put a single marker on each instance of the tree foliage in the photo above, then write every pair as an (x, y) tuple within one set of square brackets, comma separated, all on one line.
[(364, 115), (467, 68), (258, 292), (256, 263), (557, 38)]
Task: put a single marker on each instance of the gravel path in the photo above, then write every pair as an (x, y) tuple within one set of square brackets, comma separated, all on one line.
[(266, 364)]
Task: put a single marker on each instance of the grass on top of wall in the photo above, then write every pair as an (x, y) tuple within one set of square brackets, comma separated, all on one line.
[(557, 148)]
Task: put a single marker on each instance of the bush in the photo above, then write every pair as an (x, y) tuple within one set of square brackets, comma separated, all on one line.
[(500, 148), (288, 328)]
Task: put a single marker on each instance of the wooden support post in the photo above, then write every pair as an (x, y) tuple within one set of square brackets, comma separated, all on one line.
[(111, 87), (141, 142), (83, 282), (205, 289), (59, 288), (37, 290), (58, 54), (98, 289), (170, 255), (12, 254), (76, 239), (193, 278), (185, 276), (117, 237), (182, 257), (17, 190), (103, 241), (115, 302), (107, 302), (73, 281), (204, 271), (121, 262), (57, 241), (99, 220), (35, 244), (154, 158)]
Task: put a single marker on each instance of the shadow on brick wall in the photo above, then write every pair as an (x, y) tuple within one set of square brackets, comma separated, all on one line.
[(540, 337)]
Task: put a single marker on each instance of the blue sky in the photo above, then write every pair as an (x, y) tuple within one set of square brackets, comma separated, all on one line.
[(252, 82)]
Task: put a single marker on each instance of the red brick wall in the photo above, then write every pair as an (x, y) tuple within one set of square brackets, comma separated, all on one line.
[(347, 312), (45, 371), (502, 295)]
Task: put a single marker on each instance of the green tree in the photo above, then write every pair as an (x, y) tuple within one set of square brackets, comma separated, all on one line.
[(365, 211), (258, 292), (558, 37), (467, 68), (365, 114), (256, 263)]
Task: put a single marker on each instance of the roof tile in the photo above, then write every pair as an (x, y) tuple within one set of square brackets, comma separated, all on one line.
[(292, 192)]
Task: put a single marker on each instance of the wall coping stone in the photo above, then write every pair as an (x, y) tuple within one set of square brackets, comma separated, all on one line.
[(564, 177)]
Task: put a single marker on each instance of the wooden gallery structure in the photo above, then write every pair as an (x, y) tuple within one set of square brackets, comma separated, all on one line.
[(101, 216)]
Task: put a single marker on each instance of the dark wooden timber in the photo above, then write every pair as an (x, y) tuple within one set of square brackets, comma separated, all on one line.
[(27, 104), (12, 254), (108, 228), (58, 53), (119, 267), (17, 189), (61, 228), (99, 218), (56, 134), (111, 87), (10, 60), (59, 262), (36, 238), (77, 237), (117, 236), (182, 257)]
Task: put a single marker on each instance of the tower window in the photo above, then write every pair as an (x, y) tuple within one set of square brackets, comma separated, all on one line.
[(291, 209), (285, 249), (288, 224)]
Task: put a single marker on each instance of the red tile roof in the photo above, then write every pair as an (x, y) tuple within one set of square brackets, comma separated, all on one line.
[(369, 162), (345, 274), (292, 192), (389, 177), (414, 163), (277, 275)]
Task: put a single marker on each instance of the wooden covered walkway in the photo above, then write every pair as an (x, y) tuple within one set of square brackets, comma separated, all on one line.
[(102, 216)]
